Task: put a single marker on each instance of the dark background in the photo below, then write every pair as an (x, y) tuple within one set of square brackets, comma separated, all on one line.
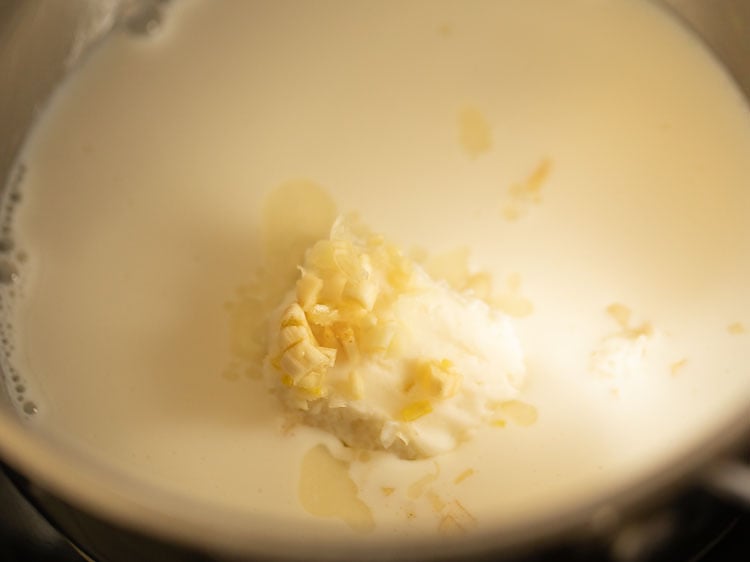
[(26, 536)]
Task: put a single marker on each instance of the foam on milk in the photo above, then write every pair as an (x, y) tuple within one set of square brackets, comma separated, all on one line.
[(142, 214), (13, 265)]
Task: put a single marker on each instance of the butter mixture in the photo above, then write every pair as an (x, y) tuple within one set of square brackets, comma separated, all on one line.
[(371, 348)]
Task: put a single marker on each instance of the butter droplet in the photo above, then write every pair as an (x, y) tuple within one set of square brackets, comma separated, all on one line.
[(736, 328), (436, 501), (677, 366), (474, 133), (620, 314), (445, 30), (463, 476), (623, 316), (520, 413), (327, 490), (522, 195)]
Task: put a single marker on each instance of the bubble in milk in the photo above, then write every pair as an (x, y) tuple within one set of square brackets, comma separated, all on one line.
[(8, 272), (30, 408), (11, 260), (147, 22)]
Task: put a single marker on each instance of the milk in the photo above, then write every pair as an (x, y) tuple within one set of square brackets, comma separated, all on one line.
[(142, 216)]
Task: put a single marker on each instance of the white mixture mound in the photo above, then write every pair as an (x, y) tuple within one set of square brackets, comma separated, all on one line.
[(371, 348)]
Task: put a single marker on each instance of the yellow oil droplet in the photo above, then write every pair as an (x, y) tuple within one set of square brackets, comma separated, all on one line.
[(736, 328), (436, 502), (677, 366), (445, 30), (464, 475), (327, 490), (520, 413), (474, 133), (522, 195), (623, 316), (387, 490), (531, 189), (645, 329), (620, 314), (514, 305)]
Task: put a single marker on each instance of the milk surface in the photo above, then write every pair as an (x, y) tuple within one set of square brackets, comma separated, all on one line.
[(618, 144)]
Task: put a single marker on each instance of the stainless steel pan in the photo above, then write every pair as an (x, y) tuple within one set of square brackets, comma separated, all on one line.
[(40, 42)]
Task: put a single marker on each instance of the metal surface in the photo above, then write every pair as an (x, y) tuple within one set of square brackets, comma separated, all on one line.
[(725, 27), (730, 479), (39, 42)]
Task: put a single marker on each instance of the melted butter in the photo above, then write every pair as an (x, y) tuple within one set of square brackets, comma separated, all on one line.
[(294, 215), (623, 316), (474, 133), (327, 490), (436, 502), (522, 195), (445, 30), (736, 328), (677, 366), (464, 475), (518, 412), (620, 314)]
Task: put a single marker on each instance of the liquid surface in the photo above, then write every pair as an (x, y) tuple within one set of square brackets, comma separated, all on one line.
[(583, 176)]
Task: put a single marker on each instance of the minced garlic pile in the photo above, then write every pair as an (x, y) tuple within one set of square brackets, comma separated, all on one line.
[(370, 348)]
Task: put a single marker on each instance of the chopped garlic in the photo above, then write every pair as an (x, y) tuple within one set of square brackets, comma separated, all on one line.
[(369, 347)]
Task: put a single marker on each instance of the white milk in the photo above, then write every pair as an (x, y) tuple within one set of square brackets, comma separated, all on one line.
[(142, 212)]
